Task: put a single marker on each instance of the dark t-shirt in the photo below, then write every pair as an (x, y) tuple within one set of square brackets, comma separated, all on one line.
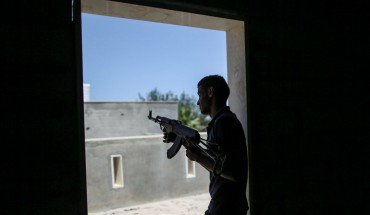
[(228, 197)]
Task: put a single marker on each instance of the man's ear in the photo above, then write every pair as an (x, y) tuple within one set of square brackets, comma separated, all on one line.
[(210, 92)]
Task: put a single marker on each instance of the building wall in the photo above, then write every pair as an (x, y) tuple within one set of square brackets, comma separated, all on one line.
[(147, 173)]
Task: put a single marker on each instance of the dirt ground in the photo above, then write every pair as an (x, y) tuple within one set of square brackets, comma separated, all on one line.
[(191, 205)]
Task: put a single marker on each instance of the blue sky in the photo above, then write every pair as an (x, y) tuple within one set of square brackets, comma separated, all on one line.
[(124, 57)]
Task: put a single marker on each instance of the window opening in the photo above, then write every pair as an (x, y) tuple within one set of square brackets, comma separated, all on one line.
[(117, 171), (190, 168), (233, 70)]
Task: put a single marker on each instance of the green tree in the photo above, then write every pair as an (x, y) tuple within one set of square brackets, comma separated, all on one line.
[(155, 95), (189, 113)]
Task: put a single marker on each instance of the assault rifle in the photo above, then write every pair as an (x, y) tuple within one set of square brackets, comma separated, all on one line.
[(189, 137)]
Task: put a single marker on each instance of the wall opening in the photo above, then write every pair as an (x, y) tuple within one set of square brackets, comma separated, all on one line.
[(190, 168), (117, 171), (235, 73)]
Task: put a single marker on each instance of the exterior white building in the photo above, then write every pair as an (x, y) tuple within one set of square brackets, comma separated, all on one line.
[(126, 162)]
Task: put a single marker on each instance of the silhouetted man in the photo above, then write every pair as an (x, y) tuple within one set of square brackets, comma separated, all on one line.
[(228, 174)]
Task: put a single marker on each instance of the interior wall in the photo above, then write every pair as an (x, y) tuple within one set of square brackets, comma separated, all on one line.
[(308, 123), (42, 153)]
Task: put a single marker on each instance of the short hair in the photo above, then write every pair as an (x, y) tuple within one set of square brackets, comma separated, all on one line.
[(221, 89)]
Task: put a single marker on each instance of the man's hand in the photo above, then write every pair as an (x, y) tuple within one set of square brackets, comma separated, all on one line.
[(191, 155), (195, 154), (192, 152), (168, 137)]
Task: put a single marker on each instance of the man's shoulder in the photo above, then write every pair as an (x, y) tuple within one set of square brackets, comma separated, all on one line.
[(227, 121), (226, 116)]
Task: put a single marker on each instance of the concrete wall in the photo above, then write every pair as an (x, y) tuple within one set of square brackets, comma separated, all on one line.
[(147, 173)]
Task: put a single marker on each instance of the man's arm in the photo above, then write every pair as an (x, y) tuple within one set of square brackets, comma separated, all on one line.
[(208, 163), (197, 156)]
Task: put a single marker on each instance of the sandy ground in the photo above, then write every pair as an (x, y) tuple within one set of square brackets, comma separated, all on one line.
[(191, 205)]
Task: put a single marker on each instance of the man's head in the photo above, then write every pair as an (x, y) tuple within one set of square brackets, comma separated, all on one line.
[(212, 90)]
